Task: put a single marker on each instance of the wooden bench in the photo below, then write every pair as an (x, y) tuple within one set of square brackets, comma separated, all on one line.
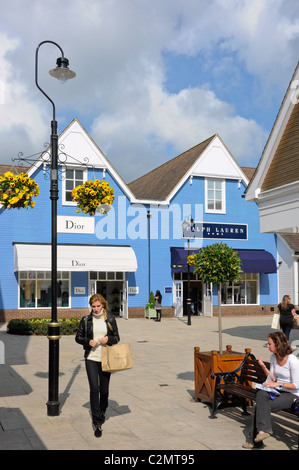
[(235, 388)]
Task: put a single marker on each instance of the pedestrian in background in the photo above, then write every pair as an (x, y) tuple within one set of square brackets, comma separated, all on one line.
[(158, 302), (287, 314)]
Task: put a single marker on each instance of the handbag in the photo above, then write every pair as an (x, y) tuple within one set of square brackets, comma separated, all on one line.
[(296, 321), (275, 321), (116, 358)]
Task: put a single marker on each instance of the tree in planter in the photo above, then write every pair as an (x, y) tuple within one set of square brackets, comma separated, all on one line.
[(150, 311), (217, 263), (151, 301)]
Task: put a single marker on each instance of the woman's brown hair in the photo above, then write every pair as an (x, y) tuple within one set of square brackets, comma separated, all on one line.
[(281, 343), (284, 302), (99, 298)]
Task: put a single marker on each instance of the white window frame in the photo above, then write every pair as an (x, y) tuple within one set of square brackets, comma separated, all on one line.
[(70, 167), (246, 277), (223, 196), (34, 277)]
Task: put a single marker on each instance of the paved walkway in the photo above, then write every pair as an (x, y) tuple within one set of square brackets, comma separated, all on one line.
[(151, 406)]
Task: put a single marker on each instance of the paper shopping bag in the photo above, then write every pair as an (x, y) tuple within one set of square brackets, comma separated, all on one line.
[(275, 321), (116, 358), (296, 321)]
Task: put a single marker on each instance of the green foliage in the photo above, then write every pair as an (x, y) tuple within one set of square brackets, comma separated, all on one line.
[(216, 263), (39, 326), (151, 301)]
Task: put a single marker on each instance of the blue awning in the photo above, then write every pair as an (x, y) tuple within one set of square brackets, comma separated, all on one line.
[(179, 260), (257, 261), (253, 261)]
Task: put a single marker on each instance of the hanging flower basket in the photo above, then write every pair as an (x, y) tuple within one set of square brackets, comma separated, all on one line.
[(16, 191), (93, 196)]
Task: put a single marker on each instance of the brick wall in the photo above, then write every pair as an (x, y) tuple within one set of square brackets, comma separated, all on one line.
[(244, 310), (137, 312), (134, 312)]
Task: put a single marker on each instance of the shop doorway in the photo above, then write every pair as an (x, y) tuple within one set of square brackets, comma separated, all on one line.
[(200, 293), (111, 291), (196, 297), (114, 290)]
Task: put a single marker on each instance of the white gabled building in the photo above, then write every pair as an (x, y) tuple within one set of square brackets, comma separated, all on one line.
[(275, 188)]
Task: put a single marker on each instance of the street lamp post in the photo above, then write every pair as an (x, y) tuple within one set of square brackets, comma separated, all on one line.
[(62, 73), (189, 226)]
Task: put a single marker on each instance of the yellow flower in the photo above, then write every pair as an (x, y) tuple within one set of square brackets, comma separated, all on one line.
[(17, 190), (92, 194)]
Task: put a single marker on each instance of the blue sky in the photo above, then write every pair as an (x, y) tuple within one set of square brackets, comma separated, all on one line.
[(154, 77)]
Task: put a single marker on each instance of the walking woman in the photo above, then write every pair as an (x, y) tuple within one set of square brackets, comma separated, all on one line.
[(283, 380), (97, 329), (287, 314)]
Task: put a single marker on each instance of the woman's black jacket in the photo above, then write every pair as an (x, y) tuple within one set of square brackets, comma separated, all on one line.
[(85, 332)]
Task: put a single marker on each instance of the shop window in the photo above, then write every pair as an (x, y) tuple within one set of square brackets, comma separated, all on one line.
[(244, 291), (72, 177), (35, 289), (215, 196)]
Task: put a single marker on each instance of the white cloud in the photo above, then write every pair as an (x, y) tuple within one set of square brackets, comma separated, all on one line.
[(21, 122)]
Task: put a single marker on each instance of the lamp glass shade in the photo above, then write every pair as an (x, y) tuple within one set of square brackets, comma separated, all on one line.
[(62, 73)]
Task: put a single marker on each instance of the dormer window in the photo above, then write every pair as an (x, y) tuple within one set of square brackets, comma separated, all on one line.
[(215, 196)]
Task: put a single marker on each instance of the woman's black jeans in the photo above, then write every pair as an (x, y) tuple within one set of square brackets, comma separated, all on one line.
[(98, 384)]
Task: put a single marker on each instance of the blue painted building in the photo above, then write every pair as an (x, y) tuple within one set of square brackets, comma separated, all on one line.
[(139, 245)]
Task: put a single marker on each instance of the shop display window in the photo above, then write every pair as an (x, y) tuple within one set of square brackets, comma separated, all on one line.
[(245, 291), (35, 289)]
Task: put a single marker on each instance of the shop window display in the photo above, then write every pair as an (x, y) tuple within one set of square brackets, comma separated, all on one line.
[(245, 291), (35, 289)]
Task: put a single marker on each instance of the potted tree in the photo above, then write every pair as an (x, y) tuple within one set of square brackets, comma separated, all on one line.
[(215, 263), (149, 310)]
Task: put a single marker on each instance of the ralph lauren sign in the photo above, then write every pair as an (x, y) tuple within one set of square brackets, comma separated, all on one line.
[(215, 230)]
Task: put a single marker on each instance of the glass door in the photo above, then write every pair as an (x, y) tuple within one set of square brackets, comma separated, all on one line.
[(178, 298)]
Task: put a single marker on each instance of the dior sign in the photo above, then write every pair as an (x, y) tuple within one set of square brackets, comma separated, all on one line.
[(69, 224)]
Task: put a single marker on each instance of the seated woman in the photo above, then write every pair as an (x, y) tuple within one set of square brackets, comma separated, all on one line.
[(283, 380)]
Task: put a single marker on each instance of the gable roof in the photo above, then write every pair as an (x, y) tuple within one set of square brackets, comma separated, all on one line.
[(13, 168), (284, 168), (209, 158), (249, 171), (77, 148), (158, 183), (278, 164)]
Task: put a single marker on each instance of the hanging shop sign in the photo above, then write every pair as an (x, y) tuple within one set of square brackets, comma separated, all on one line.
[(215, 230), (69, 224)]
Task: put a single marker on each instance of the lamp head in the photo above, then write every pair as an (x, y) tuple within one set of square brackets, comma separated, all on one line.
[(62, 72)]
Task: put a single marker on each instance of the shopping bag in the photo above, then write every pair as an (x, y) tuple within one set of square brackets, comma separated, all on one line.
[(116, 358), (275, 322), (296, 321)]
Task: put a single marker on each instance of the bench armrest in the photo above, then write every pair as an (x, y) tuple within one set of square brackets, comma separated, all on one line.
[(230, 376)]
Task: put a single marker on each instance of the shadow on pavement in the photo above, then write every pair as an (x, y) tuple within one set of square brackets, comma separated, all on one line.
[(16, 432)]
